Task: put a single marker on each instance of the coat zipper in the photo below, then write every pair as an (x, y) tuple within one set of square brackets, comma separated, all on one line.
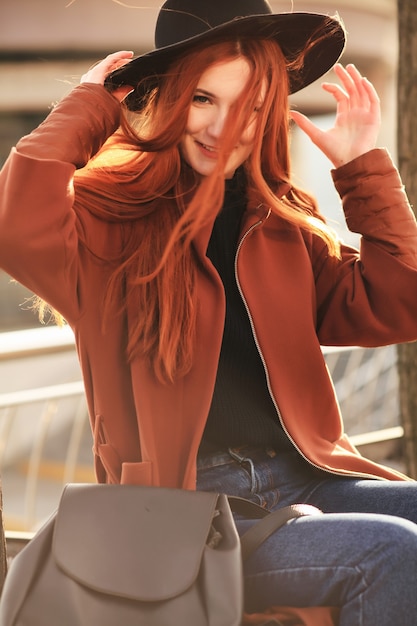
[(258, 347)]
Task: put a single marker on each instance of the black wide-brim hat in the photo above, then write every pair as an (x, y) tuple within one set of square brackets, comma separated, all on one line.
[(181, 24)]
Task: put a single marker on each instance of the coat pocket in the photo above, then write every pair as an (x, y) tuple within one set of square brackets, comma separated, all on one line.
[(137, 473)]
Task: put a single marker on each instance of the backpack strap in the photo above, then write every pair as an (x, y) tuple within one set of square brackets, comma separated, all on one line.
[(269, 521)]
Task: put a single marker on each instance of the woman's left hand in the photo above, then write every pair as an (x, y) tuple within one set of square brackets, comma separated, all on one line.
[(358, 118)]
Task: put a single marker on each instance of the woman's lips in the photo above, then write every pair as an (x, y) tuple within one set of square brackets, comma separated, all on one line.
[(208, 151)]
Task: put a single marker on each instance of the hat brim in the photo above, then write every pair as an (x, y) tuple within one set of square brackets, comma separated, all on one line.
[(290, 30)]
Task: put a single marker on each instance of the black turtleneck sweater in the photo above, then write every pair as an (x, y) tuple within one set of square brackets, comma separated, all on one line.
[(242, 411)]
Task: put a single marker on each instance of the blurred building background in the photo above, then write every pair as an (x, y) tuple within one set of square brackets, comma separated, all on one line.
[(45, 46)]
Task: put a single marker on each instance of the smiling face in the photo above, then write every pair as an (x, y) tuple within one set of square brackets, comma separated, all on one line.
[(218, 89)]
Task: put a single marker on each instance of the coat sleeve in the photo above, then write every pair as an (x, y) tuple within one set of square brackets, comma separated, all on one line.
[(369, 298), (38, 227)]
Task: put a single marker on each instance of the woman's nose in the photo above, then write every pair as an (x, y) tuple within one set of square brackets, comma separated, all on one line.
[(217, 123)]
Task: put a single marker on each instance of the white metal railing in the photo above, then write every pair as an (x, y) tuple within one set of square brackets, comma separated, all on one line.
[(43, 340), (46, 400), (45, 439), (366, 385)]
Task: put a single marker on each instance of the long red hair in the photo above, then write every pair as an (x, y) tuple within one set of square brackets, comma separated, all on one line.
[(139, 175)]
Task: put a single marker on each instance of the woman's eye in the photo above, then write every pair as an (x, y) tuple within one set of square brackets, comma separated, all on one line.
[(200, 99)]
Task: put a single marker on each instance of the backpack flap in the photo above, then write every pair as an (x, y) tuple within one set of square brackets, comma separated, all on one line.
[(135, 542)]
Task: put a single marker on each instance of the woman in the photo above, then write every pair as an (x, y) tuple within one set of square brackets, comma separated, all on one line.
[(200, 282)]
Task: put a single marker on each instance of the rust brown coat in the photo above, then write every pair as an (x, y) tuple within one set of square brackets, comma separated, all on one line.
[(298, 299)]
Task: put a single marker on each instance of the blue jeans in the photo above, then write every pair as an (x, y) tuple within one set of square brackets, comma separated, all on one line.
[(361, 556)]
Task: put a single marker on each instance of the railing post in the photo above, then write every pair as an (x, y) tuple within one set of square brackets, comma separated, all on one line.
[(3, 555)]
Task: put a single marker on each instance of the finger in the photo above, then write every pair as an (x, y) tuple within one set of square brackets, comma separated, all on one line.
[(111, 62), (351, 82), (366, 95), (339, 94), (360, 84), (306, 125), (119, 53), (113, 59), (117, 59), (374, 101)]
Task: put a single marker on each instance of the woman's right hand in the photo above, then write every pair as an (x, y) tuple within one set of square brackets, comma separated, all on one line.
[(111, 62), (357, 121)]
